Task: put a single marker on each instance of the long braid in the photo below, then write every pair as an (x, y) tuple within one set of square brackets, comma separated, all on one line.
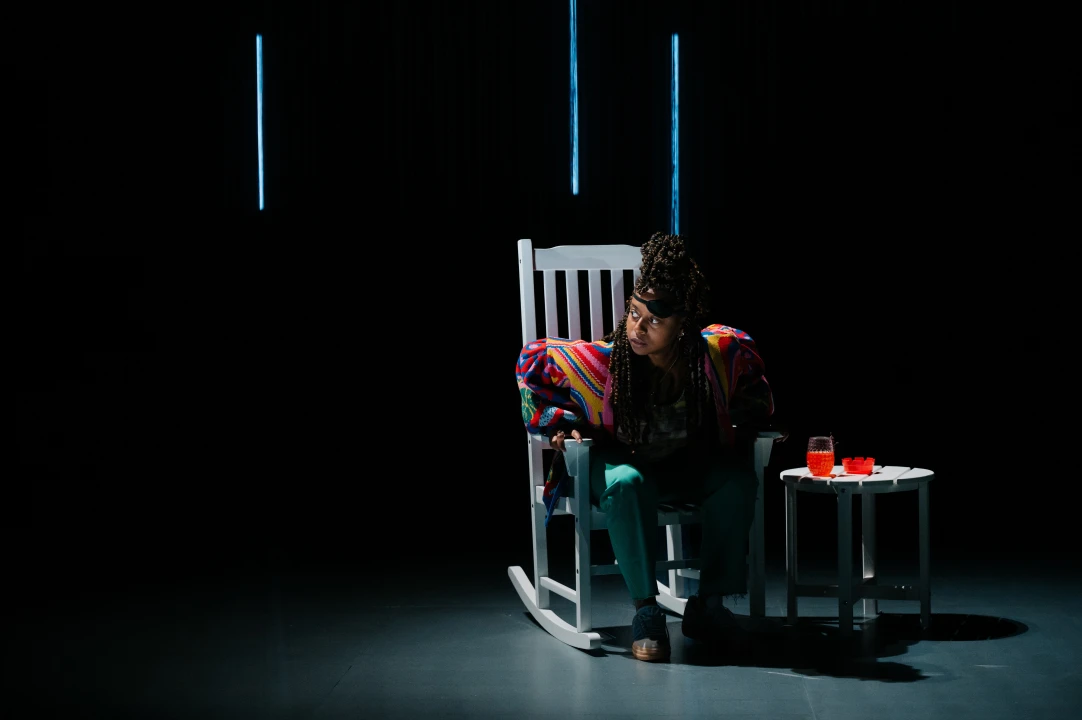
[(666, 266), (623, 400)]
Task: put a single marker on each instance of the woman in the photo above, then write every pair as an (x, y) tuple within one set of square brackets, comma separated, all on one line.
[(674, 409)]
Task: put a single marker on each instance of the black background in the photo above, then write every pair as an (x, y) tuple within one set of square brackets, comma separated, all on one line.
[(878, 192)]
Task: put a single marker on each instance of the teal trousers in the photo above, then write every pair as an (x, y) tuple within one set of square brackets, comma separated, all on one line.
[(629, 490)]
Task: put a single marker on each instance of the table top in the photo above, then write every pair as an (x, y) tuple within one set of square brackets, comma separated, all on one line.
[(884, 478)]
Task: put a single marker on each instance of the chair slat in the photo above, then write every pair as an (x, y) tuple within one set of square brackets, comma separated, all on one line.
[(574, 323), (619, 298), (597, 320), (552, 319)]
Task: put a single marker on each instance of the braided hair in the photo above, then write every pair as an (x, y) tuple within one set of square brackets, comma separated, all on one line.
[(666, 266)]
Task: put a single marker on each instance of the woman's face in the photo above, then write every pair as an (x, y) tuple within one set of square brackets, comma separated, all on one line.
[(647, 333)]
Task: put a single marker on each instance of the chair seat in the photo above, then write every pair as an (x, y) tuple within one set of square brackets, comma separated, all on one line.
[(668, 514)]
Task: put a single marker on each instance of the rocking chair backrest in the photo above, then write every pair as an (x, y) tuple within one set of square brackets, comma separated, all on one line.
[(561, 304)]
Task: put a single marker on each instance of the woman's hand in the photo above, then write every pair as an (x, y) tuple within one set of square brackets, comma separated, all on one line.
[(559, 438)]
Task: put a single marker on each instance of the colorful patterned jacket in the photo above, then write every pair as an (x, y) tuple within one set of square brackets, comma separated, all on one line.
[(564, 384)]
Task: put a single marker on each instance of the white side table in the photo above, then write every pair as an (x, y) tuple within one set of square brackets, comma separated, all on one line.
[(884, 479)]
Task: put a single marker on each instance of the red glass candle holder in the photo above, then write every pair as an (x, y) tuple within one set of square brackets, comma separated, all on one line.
[(858, 465)]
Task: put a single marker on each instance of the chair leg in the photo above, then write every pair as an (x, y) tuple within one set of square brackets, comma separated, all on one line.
[(757, 556), (764, 445), (673, 597), (540, 556), (583, 576), (540, 532), (674, 542)]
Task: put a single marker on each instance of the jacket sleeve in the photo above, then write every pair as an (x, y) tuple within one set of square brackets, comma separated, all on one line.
[(751, 402), (545, 392)]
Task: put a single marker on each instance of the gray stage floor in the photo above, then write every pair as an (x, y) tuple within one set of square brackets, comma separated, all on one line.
[(1004, 643)]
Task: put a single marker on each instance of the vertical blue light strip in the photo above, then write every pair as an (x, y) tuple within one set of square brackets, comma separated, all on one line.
[(675, 90), (259, 108), (574, 100)]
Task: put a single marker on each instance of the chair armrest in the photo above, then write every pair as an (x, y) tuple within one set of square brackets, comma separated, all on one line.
[(764, 443), (577, 462), (577, 456)]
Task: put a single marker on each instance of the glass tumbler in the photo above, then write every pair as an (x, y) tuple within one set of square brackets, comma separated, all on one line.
[(821, 455)]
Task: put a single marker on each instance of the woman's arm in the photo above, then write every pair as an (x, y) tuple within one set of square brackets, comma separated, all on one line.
[(748, 401), (751, 402), (545, 392)]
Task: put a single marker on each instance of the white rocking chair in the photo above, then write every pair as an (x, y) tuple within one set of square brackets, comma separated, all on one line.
[(617, 262)]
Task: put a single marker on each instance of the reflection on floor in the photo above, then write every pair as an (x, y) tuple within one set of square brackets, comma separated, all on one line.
[(451, 642)]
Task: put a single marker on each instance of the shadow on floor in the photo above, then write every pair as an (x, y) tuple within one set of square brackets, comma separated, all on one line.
[(814, 647)]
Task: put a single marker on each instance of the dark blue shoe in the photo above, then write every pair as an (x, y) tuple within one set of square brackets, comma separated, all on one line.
[(650, 634), (708, 620)]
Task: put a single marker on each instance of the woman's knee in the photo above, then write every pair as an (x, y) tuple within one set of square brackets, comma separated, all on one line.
[(625, 483), (624, 479)]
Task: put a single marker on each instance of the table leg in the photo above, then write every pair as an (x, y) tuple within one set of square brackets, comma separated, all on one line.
[(867, 539), (845, 562), (925, 559), (790, 551)]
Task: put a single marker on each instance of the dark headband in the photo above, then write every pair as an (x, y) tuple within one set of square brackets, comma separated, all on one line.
[(659, 307)]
